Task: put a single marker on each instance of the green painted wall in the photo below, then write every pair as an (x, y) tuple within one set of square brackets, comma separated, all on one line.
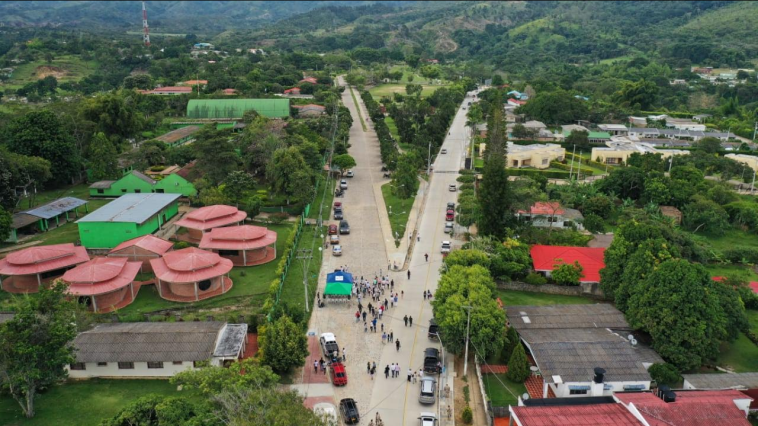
[(175, 184), (128, 184), (235, 108), (102, 235)]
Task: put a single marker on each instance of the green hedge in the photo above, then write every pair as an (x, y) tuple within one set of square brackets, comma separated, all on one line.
[(575, 168), (275, 287), (592, 163), (550, 174)]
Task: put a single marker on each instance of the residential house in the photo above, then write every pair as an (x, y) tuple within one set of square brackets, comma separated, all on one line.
[(28, 269), (292, 91), (204, 219), (311, 80), (684, 124), (310, 110), (40, 219), (546, 258), (747, 383), (619, 148), (613, 129), (551, 215), (155, 349), (125, 218), (516, 102), (583, 350), (568, 128), (695, 135), (194, 83), (537, 156), (661, 408)]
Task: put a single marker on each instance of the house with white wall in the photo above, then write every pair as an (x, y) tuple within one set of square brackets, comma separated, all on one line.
[(155, 349)]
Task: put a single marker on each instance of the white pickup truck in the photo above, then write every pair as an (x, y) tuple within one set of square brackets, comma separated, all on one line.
[(329, 345)]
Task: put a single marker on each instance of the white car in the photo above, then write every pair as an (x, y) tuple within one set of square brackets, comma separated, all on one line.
[(427, 419), (452, 188), (443, 151), (343, 184), (350, 173), (337, 250), (445, 247)]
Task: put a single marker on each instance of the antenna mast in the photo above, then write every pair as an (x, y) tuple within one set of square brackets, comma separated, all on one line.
[(146, 35)]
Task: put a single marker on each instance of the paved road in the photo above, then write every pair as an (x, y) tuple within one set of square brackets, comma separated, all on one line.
[(395, 399)]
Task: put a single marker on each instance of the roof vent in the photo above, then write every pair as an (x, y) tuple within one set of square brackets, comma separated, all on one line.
[(669, 396), (599, 375), (663, 389)]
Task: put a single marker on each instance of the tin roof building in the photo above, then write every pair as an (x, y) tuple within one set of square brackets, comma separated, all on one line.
[(191, 274), (244, 245), (104, 284), (236, 108), (40, 219), (26, 270)]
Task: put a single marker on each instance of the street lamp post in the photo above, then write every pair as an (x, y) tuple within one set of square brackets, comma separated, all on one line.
[(468, 325)]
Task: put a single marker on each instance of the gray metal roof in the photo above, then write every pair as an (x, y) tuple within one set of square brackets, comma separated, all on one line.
[(22, 219), (57, 207), (143, 177), (103, 184), (599, 315), (148, 341), (136, 208), (723, 381), (231, 342)]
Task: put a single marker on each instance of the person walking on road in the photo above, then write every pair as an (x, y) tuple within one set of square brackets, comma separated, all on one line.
[(426, 256), (410, 373), (387, 372), (405, 318), (409, 274), (344, 355), (315, 366), (424, 294), (410, 321), (418, 236), (368, 367), (397, 344), (392, 336)]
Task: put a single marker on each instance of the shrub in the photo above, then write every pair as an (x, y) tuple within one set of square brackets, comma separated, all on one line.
[(567, 273), (252, 323), (466, 172), (594, 223), (467, 415), (518, 365), (263, 194), (278, 218), (466, 178), (664, 373), (465, 186), (535, 279), (180, 245)]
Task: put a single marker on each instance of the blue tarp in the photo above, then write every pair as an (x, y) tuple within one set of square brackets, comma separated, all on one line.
[(339, 277)]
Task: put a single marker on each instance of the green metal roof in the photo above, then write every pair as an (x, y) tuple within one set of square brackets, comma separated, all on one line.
[(234, 108), (592, 135)]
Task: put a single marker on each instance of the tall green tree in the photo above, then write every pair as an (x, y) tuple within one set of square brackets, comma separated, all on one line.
[(580, 138), (405, 177), (284, 345), (518, 365), (161, 410), (238, 185), (733, 307), (289, 174), (344, 162), (678, 306), (103, 158), (216, 154), (34, 345), (211, 380), (494, 194)]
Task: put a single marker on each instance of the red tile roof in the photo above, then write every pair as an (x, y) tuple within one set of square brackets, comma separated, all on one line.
[(190, 265), (596, 415), (544, 259), (543, 208), (753, 284), (147, 242), (172, 89), (230, 91), (691, 408), (245, 237), (311, 80), (293, 90), (209, 217), (35, 260), (194, 82), (101, 275)]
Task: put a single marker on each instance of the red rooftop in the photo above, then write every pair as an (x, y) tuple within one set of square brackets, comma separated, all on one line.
[(244, 245), (29, 268), (206, 218), (142, 249), (545, 258), (691, 408), (191, 274), (104, 284), (596, 415)]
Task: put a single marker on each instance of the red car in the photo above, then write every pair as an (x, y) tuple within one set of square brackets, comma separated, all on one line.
[(337, 204), (339, 375), (332, 229), (450, 215)]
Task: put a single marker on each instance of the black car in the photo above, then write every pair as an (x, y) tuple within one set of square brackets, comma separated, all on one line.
[(344, 227), (433, 330), (451, 206), (431, 361), (349, 411), (338, 214)]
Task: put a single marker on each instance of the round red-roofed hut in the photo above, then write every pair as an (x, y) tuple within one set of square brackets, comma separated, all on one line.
[(26, 270), (206, 218), (142, 249), (191, 274), (105, 283), (244, 245)]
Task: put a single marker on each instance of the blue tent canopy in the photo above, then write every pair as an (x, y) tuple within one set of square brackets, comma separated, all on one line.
[(339, 277)]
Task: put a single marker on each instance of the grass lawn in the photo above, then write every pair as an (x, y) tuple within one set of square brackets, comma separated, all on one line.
[(391, 88), (742, 272), (66, 68), (502, 392), (512, 297), (83, 403), (357, 107), (400, 208), (393, 131), (732, 238), (249, 291), (326, 197), (293, 292), (740, 355)]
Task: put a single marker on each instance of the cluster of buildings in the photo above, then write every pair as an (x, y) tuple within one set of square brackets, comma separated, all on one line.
[(121, 232)]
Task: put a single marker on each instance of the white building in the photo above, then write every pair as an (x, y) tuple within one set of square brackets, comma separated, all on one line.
[(619, 148), (613, 129), (552, 215), (571, 344), (155, 349)]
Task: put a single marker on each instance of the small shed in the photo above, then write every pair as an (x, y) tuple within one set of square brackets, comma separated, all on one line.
[(339, 284), (40, 218), (142, 249), (672, 212)]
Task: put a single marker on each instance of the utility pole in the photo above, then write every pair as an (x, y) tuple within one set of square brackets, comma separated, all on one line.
[(145, 28), (429, 159), (305, 256), (468, 325), (573, 153), (755, 129)]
